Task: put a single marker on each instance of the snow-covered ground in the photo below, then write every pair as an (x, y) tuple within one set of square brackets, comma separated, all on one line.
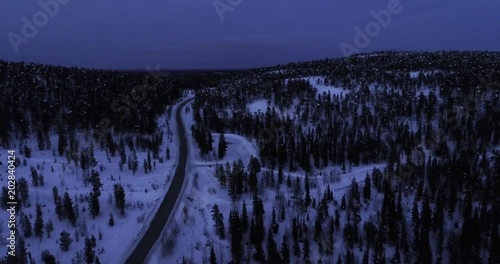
[(192, 233), (261, 105), (142, 195)]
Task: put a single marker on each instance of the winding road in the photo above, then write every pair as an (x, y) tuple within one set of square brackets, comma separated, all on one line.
[(167, 207)]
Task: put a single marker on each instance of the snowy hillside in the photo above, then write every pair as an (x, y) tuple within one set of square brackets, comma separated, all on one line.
[(386, 157)]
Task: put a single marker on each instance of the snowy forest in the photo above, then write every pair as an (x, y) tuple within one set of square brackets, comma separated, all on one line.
[(386, 157), (432, 119)]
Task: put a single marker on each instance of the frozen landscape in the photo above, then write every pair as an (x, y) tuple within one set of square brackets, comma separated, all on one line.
[(235, 131)]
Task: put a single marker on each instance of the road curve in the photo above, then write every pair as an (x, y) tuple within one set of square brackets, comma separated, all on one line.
[(166, 209)]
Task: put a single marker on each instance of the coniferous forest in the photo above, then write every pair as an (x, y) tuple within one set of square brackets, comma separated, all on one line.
[(431, 118), (424, 126)]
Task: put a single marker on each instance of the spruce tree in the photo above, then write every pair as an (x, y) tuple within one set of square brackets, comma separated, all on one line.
[(145, 166), (236, 236), (21, 254), (26, 224), (244, 218), (68, 209), (23, 190), (274, 224), (49, 227), (285, 250), (222, 148), (94, 206), (65, 241), (273, 255), (306, 250), (89, 253), (48, 258), (111, 221), (367, 189), (307, 197), (219, 221), (119, 193), (38, 228), (150, 167), (213, 258)]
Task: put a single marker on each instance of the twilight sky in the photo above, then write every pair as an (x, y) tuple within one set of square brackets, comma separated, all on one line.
[(184, 34)]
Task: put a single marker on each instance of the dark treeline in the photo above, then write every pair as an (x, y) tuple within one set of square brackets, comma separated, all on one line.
[(438, 131), (39, 99)]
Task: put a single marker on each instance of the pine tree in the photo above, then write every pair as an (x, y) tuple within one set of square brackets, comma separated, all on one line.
[(4, 197), (236, 236), (23, 190), (222, 148), (367, 189), (21, 254), (213, 258), (68, 209), (273, 255), (145, 166), (119, 193), (27, 229), (220, 175), (62, 143), (274, 224), (57, 202), (254, 166), (219, 221), (307, 198), (89, 253), (38, 228), (34, 177), (94, 206), (306, 250), (95, 181), (244, 218), (111, 221), (48, 258), (65, 241), (280, 174), (150, 167), (285, 250), (49, 227)]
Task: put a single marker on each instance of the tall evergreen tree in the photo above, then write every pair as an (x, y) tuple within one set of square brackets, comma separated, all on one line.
[(218, 218), (222, 148), (89, 253), (65, 241), (285, 250), (273, 255), (213, 258), (39, 222), (69, 211), (235, 230), (119, 193)]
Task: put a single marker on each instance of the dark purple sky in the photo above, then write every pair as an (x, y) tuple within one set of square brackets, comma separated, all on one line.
[(132, 34)]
